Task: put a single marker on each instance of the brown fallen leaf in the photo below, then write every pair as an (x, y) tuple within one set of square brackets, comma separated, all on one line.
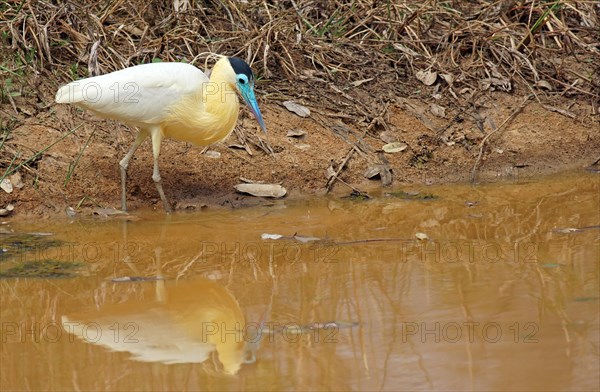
[(438, 110), (262, 190), (381, 171), (427, 77), (388, 137), (6, 185), (299, 133), (294, 107), (391, 148), (16, 180)]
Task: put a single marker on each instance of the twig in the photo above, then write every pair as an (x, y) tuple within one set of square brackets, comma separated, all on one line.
[(506, 121), (376, 240), (9, 171), (333, 178), (564, 112)]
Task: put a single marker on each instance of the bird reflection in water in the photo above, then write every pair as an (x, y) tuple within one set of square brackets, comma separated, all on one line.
[(187, 322)]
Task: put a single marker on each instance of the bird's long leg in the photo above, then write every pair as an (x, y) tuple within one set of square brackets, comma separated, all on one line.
[(156, 139), (124, 164)]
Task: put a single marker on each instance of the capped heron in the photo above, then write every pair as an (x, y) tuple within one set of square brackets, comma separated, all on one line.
[(173, 100)]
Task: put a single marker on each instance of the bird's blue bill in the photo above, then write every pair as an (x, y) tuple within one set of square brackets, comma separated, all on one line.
[(248, 94)]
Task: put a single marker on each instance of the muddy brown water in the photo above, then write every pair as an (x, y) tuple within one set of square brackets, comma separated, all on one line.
[(501, 293)]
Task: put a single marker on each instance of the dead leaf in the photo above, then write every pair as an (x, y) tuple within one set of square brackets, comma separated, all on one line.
[(383, 171), (502, 84), (438, 110), (427, 77), (388, 137), (394, 147), (262, 190), (212, 154), (386, 176), (294, 107), (422, 236), (6, 185), (299, 238), (544, 84), (267, 236), (448, 78), (372, 171), (299, 133), (17, 180)]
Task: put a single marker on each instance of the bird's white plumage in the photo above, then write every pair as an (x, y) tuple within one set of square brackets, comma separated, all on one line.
[(138, 95), (172, 100)]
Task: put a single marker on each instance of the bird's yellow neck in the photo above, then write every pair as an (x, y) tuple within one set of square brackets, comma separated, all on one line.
[(209, 115)]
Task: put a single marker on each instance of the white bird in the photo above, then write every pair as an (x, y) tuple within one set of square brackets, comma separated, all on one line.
[(173, 100), (185, 324)]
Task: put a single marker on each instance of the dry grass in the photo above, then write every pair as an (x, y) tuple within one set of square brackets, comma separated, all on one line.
[(470, 44)]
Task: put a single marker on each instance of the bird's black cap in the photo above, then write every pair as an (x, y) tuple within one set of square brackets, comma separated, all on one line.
[(241, 67)]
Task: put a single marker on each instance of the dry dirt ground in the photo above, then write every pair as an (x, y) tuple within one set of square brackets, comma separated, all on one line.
[(476, 91), (530, 139)]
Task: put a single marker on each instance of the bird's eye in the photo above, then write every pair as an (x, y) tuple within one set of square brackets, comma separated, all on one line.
[(242, 79)]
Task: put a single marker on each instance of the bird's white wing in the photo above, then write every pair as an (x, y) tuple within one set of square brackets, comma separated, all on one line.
[(153, 336), (137, 95)]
